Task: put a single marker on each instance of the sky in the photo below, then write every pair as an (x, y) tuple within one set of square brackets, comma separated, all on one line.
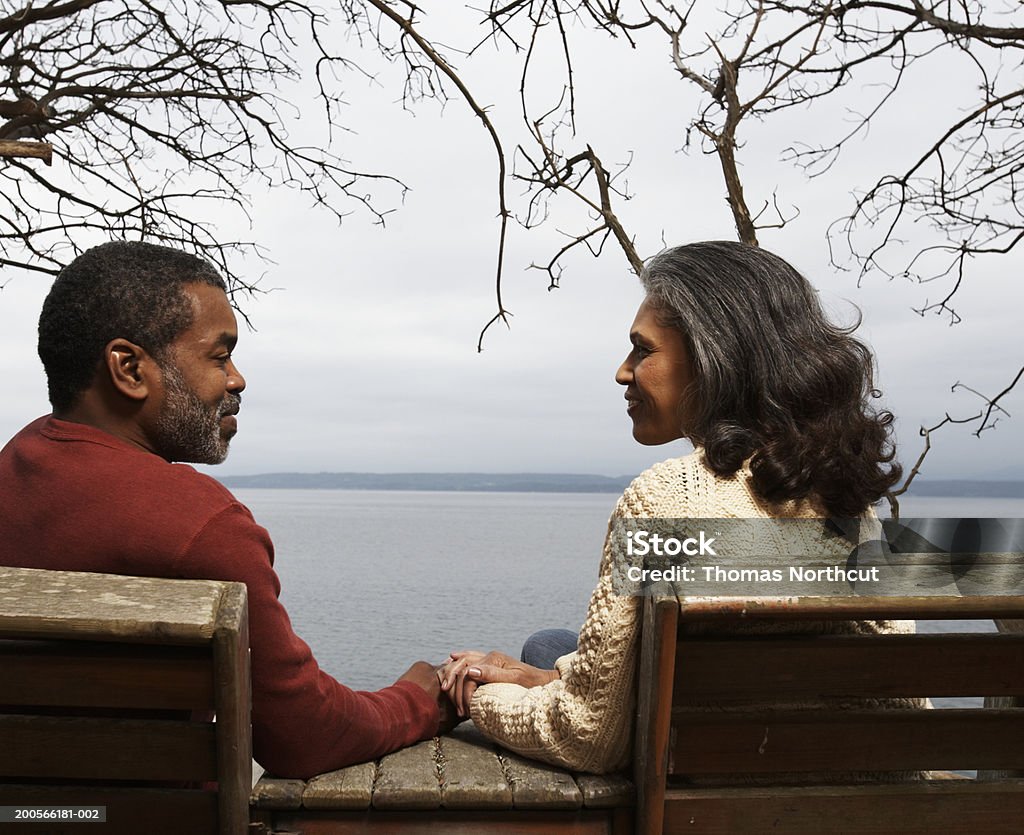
[(363, 354)]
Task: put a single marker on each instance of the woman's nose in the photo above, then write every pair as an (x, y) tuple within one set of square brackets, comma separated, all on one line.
[(624, 376)]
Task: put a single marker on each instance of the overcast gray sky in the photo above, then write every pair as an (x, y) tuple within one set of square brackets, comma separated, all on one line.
[(364, 359)]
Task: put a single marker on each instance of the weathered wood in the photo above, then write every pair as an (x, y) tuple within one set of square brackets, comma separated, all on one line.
[(448, 822), (408, 779), (847, 740), (657, 663), (69, 604), (788, 669), (90, 748), (92, 645), (277, 793), (1012, 627), (768, 668), (926, 808), (347, 788), (606, 791), (233, 700), (539, 786), (65, 674), (471, 773), (851, 608), (18, 148)]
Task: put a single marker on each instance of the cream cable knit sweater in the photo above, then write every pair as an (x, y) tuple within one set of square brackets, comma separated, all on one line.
[(584, 720)]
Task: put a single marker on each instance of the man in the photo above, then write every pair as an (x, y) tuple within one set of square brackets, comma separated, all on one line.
[(137, 343)]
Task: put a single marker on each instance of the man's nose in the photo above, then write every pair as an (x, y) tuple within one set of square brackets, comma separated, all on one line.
[(236, 382)]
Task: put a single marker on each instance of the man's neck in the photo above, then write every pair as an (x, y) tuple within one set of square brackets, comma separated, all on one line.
[(85, 412)]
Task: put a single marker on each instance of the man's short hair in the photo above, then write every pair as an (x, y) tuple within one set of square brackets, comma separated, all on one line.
[(123, 289)]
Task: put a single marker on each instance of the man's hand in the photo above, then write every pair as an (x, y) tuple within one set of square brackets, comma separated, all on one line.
[(428, 677), (467, 669)]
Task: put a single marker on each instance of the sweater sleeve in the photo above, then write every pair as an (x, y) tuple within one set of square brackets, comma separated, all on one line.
[(582, 720), (304, 722)]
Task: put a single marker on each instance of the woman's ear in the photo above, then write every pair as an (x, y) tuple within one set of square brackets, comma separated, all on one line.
[(130, 368)]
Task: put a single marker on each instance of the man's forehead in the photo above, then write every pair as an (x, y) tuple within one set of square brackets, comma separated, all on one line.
[(212, 316)]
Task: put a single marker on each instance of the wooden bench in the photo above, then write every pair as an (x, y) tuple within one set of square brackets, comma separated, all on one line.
[(76, 648), (677, 741), (467, 785), (459, 783), (108, 686)]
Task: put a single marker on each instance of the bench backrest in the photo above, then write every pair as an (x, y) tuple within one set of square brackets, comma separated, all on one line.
[(683, 748), (108, 686)]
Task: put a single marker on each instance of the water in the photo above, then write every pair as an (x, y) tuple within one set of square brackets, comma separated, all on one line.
[(374, 580)]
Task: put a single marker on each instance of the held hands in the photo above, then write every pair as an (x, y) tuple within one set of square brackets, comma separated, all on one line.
[(467, 669), (428, 677)]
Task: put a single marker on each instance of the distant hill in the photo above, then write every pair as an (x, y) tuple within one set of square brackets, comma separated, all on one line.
[(470, 482), (964, 488), (549, 483)]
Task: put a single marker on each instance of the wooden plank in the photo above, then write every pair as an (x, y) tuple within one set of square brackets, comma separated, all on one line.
[(471, 773), (106, 749), (606, 791), (71, 604), (233, 699), (847, 740), (277, 793), (63, 674), (446, 822), (1011, 626), (773, 668), (537, 785), (699, 608), (924, 808), (347, 788), (660, 619), (130, 811), (408, 779)]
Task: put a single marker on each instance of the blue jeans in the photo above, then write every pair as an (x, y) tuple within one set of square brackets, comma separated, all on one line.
[(542, 649)]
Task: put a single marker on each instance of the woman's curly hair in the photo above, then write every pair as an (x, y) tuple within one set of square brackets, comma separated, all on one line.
[(777, 383)]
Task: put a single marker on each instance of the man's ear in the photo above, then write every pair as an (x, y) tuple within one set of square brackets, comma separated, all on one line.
[(130, 367)]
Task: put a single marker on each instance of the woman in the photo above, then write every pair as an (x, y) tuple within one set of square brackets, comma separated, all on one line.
[(731, 349)]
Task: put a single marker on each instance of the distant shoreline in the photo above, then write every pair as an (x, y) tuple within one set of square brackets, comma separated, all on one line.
[(551, 483)]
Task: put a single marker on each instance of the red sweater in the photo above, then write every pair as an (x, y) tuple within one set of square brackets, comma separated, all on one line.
[(74, 498)]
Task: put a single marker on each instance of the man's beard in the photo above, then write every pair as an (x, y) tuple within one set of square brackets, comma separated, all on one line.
[(188, 429)]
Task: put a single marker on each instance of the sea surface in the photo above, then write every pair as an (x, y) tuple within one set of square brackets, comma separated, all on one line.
[(374, 580)]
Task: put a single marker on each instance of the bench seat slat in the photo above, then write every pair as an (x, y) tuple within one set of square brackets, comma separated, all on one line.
[(408, 779), (536, 785), (63, 674), (346, 788), (471, 774), (924, 808), (846, 740), (106, 749), (861, 607), (766, 669)]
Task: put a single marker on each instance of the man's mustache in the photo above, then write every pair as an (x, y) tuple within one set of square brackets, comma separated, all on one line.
[(230, 405)]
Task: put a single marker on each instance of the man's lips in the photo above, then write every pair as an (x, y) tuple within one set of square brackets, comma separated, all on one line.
[(632, 402)]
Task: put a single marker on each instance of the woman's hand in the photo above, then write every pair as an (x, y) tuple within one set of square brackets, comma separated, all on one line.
[(467, 669)]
